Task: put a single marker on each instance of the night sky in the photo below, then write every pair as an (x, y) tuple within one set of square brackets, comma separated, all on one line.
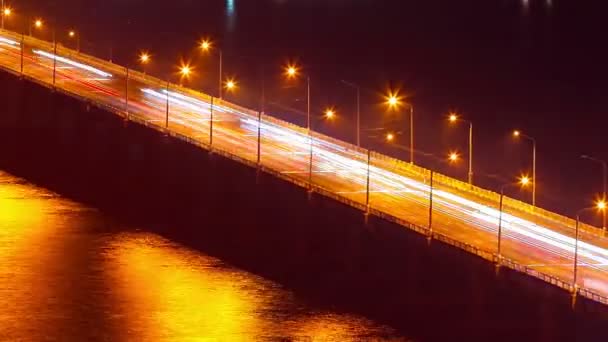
[(537, 65)]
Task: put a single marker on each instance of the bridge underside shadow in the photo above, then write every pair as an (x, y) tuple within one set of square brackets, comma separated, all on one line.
[(322, 250)]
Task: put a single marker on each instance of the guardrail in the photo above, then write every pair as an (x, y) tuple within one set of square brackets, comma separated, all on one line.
[(393, 164)]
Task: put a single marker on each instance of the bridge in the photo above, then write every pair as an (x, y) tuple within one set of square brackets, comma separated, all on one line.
[(528, 239)]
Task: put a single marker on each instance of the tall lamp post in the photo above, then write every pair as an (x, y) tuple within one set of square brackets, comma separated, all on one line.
[(523, 181), (358, 89), (394, 101), (455, 118), (604, 180), (206, 46), (291, 71), (518, 134)]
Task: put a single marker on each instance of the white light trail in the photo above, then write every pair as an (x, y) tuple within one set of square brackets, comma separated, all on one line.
[(482, 212), (73, 63), (355, 171), (8, 41)]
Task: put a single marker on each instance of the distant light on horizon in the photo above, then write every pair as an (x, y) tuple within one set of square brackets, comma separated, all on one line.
[(230, 7), (230, 15)]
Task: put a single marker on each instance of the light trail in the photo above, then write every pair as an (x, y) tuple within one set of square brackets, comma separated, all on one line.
[(9, 42), (73, 63), (479, 211)]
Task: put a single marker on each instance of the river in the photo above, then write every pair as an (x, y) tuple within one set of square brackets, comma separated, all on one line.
[(70, 273)]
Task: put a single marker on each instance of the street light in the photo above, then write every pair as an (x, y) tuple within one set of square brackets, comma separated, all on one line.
[(604, 176), (36, 23), (144, 58), (455, 118), (73, 34), (390, 137), (185, 70), (453, 157), (291, 72), (206, 45), (518, 134), (394, 101), (6, 12), (601, 206), (330, 113), (230, 85), (524, 181)]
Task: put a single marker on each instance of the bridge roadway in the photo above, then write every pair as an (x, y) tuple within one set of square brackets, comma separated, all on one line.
[(530, 237)]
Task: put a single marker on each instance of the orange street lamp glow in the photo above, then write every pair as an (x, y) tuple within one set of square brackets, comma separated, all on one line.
[(516, 133), (453, 117), (291, 71), (601, 205), (524, 180), (453, 156), (230, 84), (185, 70), (206, 45), (393, 100), (330, 113), (7, 11), (144, 57), (72, 33), (38, 23), (390, 137)]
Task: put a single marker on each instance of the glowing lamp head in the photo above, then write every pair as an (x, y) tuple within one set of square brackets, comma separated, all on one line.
[(7, 11), (330, 114), (144, 57), (185, 70), (392, 100), (453, 117), (291, 71), (524, 180), (516, 133), (71, 33), (390, 137), (205, 45), (453, 157), (230, 84), (38, 23), (601, 205)]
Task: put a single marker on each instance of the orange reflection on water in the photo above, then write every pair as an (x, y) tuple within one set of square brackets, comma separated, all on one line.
[(31, 233), (168, 292), (175, 293)]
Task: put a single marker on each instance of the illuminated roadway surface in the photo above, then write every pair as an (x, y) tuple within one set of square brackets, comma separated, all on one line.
[(532, 238)]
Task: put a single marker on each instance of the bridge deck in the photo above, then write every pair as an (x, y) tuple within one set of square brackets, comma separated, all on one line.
[(535, 241)]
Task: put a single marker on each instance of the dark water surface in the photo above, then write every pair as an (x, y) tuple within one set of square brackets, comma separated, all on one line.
[(68, 273)]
